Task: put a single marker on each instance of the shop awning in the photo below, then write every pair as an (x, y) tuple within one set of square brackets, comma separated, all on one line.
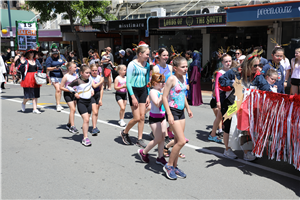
[(16, 15), (260, 13)]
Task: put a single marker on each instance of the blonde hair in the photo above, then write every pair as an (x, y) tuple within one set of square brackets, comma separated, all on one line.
[(246, 67), (93, 65), (271, 72), (119, 67), (156, 78), (141, 49), (69, 64)]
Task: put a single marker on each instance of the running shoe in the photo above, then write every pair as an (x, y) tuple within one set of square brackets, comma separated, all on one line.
[(86, 142), (249, 156), (125, 138), (161, 161), (170, 173), (121, 123), (214, 139), (73, 129), (23, 107), (141, 143), (95, 131), (229, 154), (61, 107), (143, 157), (179, 173), (58, 108), (68, 126), (36, 111)]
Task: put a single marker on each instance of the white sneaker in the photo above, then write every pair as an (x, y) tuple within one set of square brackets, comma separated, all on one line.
[(22, 107), (229, 154), (36, 111), (61, 107), (249, 156), (122, 123), (58, 108)]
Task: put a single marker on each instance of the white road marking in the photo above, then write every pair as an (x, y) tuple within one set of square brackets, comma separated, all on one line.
[(187, 145)]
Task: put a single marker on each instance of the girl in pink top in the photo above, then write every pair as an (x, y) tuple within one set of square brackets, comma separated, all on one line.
[(121, 92)]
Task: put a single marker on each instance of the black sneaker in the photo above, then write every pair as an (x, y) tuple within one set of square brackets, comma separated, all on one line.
[(141, 143), (68, 126), (73, 129), (125, 138)]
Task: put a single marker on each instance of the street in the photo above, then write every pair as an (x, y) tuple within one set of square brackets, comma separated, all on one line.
[(41, 159)]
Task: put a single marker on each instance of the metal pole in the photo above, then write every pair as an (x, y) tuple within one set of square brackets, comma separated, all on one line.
[(10, 32)]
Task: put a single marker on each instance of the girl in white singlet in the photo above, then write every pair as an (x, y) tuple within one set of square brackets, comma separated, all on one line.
[(69, 96), (121, 90), (97, 98), (83, 92), (157, 120)]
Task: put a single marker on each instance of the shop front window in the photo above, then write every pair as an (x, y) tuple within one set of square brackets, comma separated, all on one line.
[(182, 41)]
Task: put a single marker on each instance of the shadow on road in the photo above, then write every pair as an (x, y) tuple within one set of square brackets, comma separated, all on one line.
[(151, 166), (248, 170), (76, 137)]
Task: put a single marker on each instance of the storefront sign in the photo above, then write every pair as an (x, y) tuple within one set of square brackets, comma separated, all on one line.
[(127, 24), (193, 21), (264, 12), (27, 35), (162, 32)]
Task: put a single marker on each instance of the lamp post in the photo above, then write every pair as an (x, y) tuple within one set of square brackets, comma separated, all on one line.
[(10, 32)]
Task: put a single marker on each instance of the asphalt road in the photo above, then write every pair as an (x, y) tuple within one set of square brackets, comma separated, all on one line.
[(41, 159)]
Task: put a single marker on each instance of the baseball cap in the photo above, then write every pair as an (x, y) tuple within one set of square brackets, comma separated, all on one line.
[(108, 48), (122, 52)]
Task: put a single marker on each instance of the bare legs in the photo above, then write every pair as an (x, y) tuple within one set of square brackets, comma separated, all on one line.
[(159, 135), (179, 139), (138, 117), (57, 92)]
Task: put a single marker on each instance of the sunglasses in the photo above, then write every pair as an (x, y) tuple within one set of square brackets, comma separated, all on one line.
[(259, 65), (237, 53)]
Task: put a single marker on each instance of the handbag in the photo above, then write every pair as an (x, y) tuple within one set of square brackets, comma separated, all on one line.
[(40, 78), (107, 72)]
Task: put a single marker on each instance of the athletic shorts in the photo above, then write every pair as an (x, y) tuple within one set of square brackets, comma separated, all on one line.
[(84, 106), (295, 81), (69, 96), (121, 96), (95, 99), (153, 120), (140, 94), (224, 108), (213, 103), (55, 80), (177, 114)]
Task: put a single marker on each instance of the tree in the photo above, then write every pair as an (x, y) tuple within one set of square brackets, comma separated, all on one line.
[(85, 10)]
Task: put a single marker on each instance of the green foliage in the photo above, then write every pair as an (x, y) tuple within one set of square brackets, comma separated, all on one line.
[(85, 10)]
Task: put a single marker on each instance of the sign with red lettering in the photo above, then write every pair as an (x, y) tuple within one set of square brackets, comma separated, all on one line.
[(26, 35)]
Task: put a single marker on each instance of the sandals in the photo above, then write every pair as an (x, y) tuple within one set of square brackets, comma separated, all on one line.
[(181, 155), (166, 153)]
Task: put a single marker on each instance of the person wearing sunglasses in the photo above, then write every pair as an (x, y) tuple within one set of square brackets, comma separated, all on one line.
[(238, 54), (277, 56), (251, 78)]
